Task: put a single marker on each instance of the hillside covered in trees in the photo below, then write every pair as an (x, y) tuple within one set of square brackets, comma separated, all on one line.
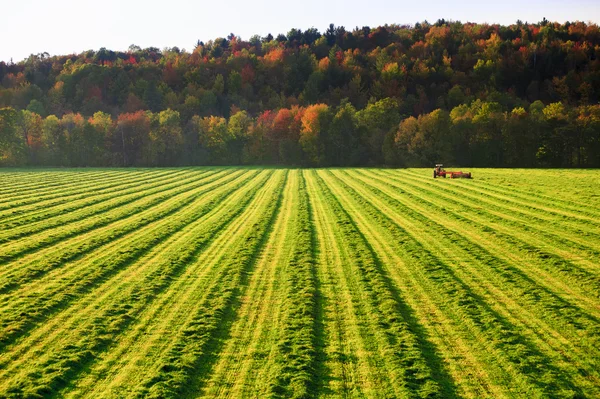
[(524, 95)]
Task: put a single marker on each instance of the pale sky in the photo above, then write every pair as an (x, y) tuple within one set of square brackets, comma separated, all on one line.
[(73, 26)]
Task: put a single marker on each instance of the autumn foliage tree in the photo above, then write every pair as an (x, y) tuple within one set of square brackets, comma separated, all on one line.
[(524, 94)]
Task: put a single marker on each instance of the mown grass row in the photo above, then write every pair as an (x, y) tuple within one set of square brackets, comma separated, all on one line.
[(459, 373), (190, 353), (121, 369), (93, 206), (539, 246), (61, 195), (379, 284), (454, 226), (62, 184), (18, 184), (397, 333), (349, 359), (532, 197), (584, 234), (169, 307), (533, 373), (550, 186), (71, 241), (50, 210), (59, 360), (245, 362), (22, 311), (552, 322), (295, 369)]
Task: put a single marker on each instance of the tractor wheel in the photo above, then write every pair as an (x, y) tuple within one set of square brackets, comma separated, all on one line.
[(434, 175)]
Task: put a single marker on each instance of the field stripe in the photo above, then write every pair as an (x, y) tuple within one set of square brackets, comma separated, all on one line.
[(59, 241), (472, 305), (573, 261), (238, 370), (20, 311), (467, 372), (348, 348), (573, 231), (551, 191), (178, 330), (37, 213), (46, 182), (563, 323), (77, 211), (252, 282), (584, 285), (112, 308), (63, 195), (295, 369), (410, 374), (544, 203)]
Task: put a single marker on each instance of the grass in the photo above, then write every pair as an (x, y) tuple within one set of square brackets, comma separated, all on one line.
[(333, 283)]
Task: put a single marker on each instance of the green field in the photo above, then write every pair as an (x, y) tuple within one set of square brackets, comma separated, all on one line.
[(331, 283)]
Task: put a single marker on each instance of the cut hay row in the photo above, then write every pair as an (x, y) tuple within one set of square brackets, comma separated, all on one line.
[(245, 363), (62, 195), (574, 263), (553, 199), (180, 324), (227, 282), (532, 218), (91, 206), (349, 354), (105, 228), (473, 235), (114, 306), (447, 267), (19, 310), (409, 373), (294, 370), (20, 183)]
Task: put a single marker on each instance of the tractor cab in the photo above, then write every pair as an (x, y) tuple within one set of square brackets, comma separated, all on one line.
[(438, 170)]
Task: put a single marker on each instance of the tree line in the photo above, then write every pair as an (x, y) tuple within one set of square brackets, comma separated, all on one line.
[(524, 95)]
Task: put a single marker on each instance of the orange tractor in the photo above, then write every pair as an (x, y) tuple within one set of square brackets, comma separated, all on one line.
[(441, 172)]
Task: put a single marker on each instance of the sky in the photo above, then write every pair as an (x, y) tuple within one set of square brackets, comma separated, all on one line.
[(72, 26)]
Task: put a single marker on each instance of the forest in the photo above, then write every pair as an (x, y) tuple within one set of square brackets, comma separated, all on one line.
[(486, 95)]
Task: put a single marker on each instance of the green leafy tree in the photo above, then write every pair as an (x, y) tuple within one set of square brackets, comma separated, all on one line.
[(165, 138), (12, 144)]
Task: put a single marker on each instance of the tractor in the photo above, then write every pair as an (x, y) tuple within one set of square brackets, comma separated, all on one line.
[(441, 172)]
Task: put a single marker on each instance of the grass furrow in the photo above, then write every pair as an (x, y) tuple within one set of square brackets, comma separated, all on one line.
[(411, 374), (77, 211), (551, 205), (248, 352), (46, 182), (584, 284), (539, 223), (71, 241), (228, 282), (469, 373), (350, 352), (22, 311), (294, 374), (563, 321), (548, 187), (529, 370), (62, 195), (574, 261), (198, 305), (60, 354)]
